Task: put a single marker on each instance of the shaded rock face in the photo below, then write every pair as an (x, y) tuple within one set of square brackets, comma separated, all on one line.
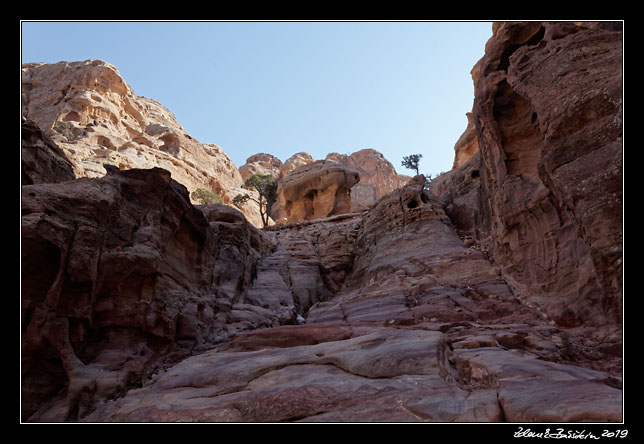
[(429, 333), (93, 115), (116, 272), (377, 177), (316, 190), (544, 192), (42, 160)]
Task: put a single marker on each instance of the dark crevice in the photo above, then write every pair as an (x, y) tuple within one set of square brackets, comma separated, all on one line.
[(504, 62), (502, 417)]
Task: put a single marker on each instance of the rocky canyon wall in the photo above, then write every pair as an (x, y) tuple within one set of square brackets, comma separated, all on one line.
[(494, 296), (544, 191), (95, 117)]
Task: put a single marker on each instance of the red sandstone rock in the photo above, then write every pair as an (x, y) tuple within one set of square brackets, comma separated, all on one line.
[(116, 271), (546, 199), (378, 357), (140, 307)]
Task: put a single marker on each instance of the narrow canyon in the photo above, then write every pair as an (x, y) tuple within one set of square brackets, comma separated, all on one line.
[(492, 293)]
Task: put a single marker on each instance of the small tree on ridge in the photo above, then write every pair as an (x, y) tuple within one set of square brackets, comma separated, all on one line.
[(412, 162)]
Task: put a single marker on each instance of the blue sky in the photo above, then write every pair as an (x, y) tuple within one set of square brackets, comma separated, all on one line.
[(285, 87)]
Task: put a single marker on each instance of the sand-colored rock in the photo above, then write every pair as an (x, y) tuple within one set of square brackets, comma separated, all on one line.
[(95, 117), (377, 176), (312, 191), (474, 301), (295, 161), (261, 163), (467, 145)]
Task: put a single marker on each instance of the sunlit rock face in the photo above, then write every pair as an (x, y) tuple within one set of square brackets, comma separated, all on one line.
[(377, 176), (95, 117), (315, 190)]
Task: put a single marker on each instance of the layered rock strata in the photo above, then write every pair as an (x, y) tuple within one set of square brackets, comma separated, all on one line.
[(116, 271), (544, 194), (486, 301), (95, 117), (42, 159), (431, 333)]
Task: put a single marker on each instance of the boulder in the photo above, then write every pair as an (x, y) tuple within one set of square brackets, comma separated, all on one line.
[(316, 190)]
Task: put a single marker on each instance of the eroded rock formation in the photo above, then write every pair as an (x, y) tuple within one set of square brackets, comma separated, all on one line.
[(544, 192), (377, 176), (494, 297), (300, 185), (95, 117), (261, 163), (115, 271), (429, 333), (315, 190)]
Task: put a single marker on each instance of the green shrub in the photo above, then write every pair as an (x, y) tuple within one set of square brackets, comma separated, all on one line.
[(206, 197)]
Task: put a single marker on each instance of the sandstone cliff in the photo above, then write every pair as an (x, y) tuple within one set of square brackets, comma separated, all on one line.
[(493, 297), (138, 306), (95, 117), (376, 177), (544, 191)]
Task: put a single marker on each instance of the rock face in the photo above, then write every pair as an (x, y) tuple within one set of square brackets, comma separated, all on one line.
[(316, 190), (116, 271), (429, 333), (377, 176), (261, 163), (93, 115), (467, 145), (295, 161), (544, 192), (299, 178), (42, 160), (486, 299)]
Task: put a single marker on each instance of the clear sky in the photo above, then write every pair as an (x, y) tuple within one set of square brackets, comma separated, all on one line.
[(285, 87)]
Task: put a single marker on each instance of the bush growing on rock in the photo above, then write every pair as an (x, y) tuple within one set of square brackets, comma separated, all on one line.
[(206, 197)]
